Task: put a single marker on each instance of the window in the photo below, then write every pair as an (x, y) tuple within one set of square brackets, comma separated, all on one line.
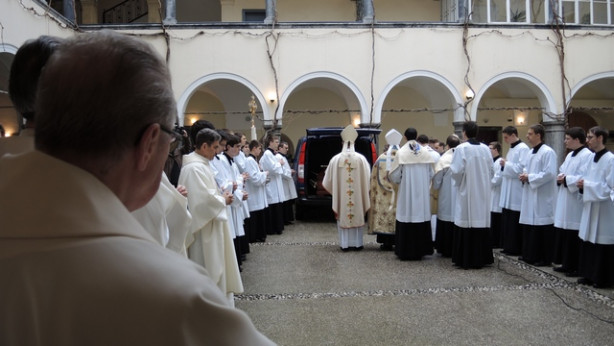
[(600, 11), (254, 15), (584, 12), (579, 11), (517, 11)]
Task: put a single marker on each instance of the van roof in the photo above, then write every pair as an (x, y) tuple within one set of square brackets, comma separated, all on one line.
[(320, 131)]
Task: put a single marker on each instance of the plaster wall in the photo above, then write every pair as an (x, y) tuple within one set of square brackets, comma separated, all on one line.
[(348, 51)]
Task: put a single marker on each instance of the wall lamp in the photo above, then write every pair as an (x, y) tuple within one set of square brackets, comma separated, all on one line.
[(272, 97), (469, 95)]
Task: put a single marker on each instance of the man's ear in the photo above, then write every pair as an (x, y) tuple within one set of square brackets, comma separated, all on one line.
[(147, 146)]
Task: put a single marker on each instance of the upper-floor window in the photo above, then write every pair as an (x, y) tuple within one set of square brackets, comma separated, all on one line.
[(542, 11), (257, 15)]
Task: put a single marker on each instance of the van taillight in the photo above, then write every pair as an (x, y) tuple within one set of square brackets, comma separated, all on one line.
[(301, 164), (373, 153)]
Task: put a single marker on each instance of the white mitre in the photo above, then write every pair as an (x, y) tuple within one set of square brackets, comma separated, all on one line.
[(393, 138), (349, 134)]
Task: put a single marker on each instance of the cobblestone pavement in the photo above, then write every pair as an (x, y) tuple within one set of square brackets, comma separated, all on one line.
[(301, 289)]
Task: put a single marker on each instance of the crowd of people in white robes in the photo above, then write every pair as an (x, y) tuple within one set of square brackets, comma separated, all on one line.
[(251, 186), (523, 203)]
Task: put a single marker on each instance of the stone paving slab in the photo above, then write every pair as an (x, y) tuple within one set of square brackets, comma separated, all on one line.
[(300, 289)]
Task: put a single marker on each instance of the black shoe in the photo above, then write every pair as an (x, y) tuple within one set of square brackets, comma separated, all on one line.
[(560, 269), (384, 247), (525, 261), (358, 248), (572, 274), (345, 249), (585, 281)]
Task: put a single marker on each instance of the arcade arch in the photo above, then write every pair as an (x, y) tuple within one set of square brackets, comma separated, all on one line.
[(515, 99), (320, 99), (423, 100), (223, 99), (8, 116), (592, 103)]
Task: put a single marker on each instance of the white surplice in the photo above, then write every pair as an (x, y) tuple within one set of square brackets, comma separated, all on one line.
[(442, 181), (255, 185), (434, 154), (539, 193), (275, 186), (240, 161), (412, 170), (495, 186), (229, 172), (289, 186), (569, 202), (213, 247), (78, 269), (511, 187), (471, 173), (597, 223), (166, 218)]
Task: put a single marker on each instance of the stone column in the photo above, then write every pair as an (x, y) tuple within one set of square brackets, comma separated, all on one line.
[(171, 12), (271, 12), (458, 128), (269, 126), (69, 10), (89, 12), (368, 15), (555, 137)]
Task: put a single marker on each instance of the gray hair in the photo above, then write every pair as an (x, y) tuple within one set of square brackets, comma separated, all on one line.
[(98, 94)]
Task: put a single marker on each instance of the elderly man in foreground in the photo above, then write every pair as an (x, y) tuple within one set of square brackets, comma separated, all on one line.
[(78, 268)]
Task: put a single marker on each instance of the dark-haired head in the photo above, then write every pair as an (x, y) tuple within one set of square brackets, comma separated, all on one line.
[(26, 70), (599, 131), (577, 133), (411, 134), (510, 130), (470, 128)]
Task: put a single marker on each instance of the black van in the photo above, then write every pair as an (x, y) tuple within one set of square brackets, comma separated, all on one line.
[(313, 152)]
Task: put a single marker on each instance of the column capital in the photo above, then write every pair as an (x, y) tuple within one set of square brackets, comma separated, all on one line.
[(370, 125), (271, 12), (458, 128), (367, 13)]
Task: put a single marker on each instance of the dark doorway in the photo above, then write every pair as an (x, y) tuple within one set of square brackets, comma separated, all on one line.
[(487, 134)]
